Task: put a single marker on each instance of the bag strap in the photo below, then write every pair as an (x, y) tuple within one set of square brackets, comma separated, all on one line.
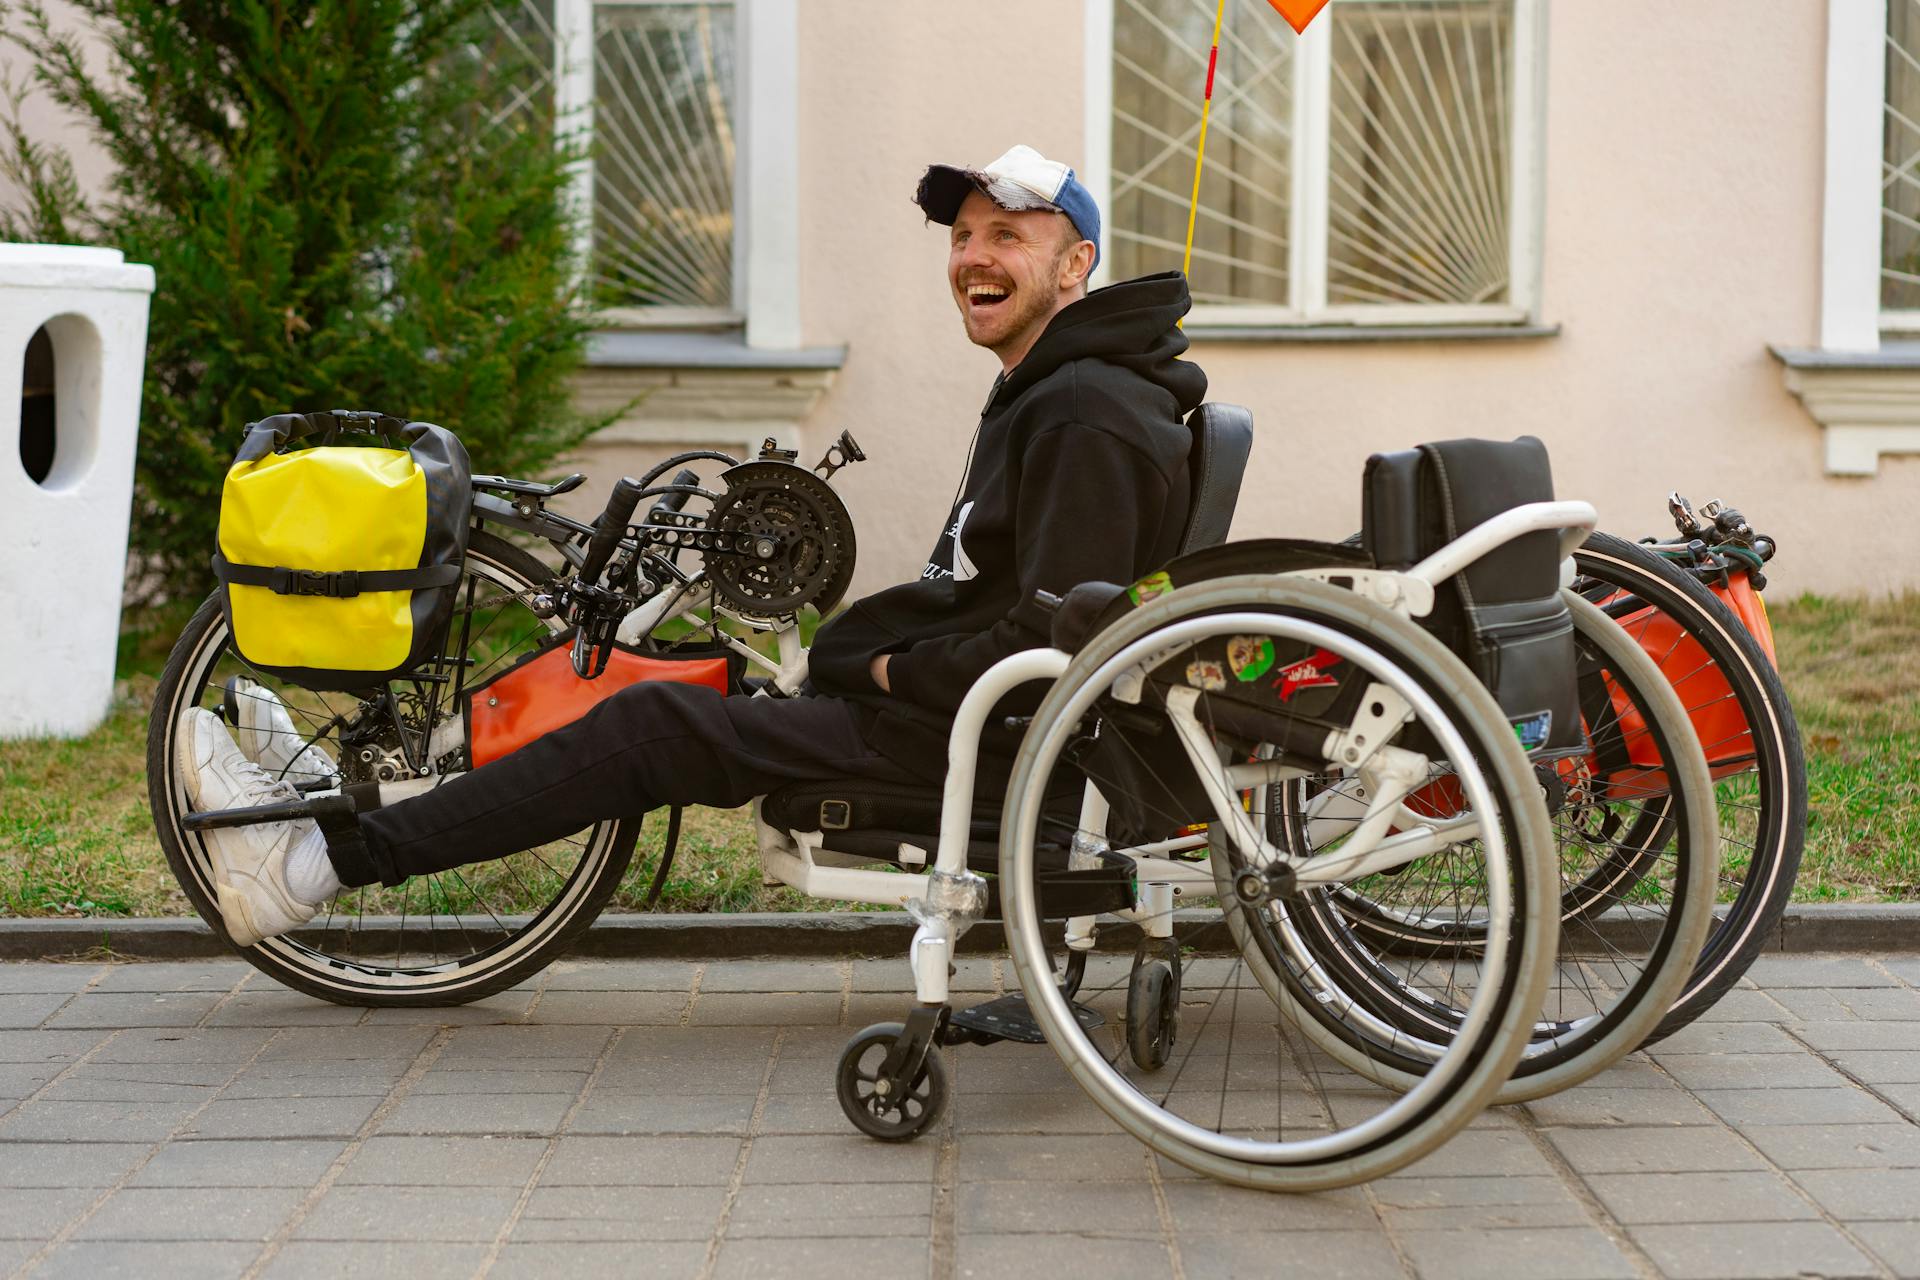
[(342, 584)]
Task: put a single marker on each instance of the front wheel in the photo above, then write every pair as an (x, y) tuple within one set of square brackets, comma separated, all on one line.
[(438, 939)]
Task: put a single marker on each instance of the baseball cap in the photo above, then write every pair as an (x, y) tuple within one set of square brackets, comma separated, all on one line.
[(1020, 179)]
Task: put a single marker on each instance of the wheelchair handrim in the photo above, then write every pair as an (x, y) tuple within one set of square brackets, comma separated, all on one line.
[(1129, 1106)]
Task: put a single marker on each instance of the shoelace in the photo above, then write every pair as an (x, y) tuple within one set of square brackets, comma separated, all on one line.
[(268, 787)]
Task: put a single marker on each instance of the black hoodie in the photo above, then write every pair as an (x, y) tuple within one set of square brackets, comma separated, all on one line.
[(1078, 474)]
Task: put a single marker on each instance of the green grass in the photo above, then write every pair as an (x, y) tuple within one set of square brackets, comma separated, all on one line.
[(76, 837), (1852, 669)]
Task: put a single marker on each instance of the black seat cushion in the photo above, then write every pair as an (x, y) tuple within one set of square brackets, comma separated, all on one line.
[(867, 819)]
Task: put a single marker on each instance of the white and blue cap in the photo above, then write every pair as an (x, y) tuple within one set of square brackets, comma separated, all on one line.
[(1020, 179)]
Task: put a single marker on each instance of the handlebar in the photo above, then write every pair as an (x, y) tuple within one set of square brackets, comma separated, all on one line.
[(610, 526)]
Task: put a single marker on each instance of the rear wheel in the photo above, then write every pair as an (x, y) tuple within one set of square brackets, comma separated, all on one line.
[(1747, 729), (438, 939)]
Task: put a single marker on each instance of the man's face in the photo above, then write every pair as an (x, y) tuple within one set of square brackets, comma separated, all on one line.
[(1010, 272)]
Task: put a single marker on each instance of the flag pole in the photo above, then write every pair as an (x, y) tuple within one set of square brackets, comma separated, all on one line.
[(1200, 152)]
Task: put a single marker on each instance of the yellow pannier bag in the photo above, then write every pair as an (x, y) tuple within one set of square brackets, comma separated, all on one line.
[(337, 562)]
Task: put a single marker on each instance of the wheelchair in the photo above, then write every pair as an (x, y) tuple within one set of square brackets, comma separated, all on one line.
[(1379, 808)]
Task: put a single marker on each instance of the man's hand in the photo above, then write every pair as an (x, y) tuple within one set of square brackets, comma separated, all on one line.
[(878, 670)]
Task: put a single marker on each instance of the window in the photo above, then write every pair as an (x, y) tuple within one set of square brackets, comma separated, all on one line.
[(1900, 171), (1379, 169), (660, 88)]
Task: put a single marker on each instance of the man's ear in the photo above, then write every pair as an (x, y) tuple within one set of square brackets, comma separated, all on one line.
[(1076, 265)]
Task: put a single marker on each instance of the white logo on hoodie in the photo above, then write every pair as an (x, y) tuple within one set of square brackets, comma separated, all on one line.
[(963, 569)]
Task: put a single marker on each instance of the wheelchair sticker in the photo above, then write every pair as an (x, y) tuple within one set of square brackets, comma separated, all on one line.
[(1154, 584), (1308, 673), (1533, 730), (1206, 674), (1250, 657)]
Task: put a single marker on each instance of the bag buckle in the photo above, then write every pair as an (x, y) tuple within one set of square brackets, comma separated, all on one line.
[(315, 582)]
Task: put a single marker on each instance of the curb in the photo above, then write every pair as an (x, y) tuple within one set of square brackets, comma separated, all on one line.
[(824, 934)]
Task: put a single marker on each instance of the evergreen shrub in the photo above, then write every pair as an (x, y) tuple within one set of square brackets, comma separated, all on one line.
[(346, 203)]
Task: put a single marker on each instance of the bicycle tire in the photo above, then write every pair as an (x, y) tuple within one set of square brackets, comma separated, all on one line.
[(332, 969), (1759, 888), (1473, 1066)]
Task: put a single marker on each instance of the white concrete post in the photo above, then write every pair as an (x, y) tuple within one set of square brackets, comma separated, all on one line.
[(65, 534)]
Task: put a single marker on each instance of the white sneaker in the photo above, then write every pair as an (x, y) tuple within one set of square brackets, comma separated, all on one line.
[(267, 734), (249, 863)]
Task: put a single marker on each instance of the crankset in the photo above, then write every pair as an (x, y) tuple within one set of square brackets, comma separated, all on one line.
[(795, 538)]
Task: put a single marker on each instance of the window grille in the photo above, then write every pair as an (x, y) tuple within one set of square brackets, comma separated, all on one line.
[(1900, 162), (1417, 152), (1366, 166), (662, 142), (1241, 234), (663, 155), (514, 53)]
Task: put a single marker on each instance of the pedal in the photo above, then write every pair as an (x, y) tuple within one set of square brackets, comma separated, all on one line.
[(1009, 1018)]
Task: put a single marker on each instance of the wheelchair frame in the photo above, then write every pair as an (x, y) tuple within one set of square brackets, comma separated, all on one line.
[(948, 898)]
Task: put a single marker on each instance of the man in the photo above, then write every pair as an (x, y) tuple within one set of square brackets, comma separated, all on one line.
[(1077, 473)]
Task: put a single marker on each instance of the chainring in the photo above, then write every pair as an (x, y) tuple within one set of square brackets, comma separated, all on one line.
[(811, 537)]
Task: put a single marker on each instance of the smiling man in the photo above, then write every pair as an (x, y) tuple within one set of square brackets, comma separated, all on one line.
[(1078, 473)]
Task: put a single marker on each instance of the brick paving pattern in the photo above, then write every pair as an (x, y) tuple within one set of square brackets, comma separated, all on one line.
[(677, 1119)]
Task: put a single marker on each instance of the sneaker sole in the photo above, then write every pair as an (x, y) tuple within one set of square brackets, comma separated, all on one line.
[(233, 908)]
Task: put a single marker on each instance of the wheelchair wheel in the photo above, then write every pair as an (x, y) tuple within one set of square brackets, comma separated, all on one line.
[(1154, 712), (1755, 754), (439, 939), (1636, 851), (1153, 1013), (857, 1083)]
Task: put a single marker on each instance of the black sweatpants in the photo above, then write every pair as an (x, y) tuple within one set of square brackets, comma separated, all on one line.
[(648, 745)]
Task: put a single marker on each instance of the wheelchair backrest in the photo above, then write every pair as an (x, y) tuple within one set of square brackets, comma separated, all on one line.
[(1217, 461)]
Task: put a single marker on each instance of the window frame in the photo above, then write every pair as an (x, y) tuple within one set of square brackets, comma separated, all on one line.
[(766, 179), (1308, 202)]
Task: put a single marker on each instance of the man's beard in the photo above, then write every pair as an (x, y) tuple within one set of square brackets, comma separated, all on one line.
[(1030, 304)]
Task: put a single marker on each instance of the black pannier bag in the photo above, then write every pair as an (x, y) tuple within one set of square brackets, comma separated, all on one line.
[(1503, 614), (339, 563)]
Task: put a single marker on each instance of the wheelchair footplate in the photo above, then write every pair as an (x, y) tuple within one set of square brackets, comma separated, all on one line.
[(1009, 1018)]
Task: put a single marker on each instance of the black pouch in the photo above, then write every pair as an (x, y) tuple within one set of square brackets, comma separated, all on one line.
[(1503, 614)]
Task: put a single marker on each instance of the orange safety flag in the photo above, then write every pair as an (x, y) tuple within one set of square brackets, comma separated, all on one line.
[(1298, 13)]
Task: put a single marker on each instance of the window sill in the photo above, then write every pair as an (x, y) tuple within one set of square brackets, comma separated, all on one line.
[(1866, 402), (705, 389), (681, 349), (1341, 333)]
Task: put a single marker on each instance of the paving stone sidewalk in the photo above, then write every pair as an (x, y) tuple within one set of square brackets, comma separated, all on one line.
[(673, 1118)]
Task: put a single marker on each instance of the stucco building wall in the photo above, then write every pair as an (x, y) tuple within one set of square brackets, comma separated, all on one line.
[(1684, 179)]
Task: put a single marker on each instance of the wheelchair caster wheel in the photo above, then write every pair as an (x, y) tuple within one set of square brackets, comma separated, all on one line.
[(1153, 1013), (868, 1097)]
